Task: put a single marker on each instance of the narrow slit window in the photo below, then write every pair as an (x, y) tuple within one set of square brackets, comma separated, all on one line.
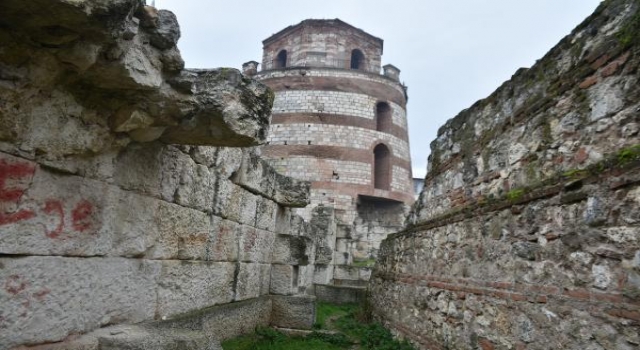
[(281, 59), (383, 117), (357, 59), (382, 167)]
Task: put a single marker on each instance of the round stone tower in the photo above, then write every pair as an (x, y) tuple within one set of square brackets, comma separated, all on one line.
[(341, 124)]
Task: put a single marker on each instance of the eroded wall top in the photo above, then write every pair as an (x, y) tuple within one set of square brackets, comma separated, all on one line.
[(119, 60)]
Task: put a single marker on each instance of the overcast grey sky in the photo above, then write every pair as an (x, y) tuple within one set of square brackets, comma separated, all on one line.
[(451, 52)]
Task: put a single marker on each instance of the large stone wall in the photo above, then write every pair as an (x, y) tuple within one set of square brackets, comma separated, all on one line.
[(119, 202), (526, 235)]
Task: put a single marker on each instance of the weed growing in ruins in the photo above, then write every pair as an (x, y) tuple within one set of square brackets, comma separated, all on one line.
[(371, 336), (345, 327), (270, 339), (515, 194), (337, 339), (575, 173), (364, 263), (327, 313), (629, 154), (628, 35)]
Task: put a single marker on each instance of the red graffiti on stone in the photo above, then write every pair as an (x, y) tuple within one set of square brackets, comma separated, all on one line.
[(80, 216), (54, 207), (23, 294), (15, 284), (10, 195), (15, 177), (42, 294), (250, 240)]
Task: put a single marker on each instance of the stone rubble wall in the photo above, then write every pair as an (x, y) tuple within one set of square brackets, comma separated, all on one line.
[(121, 198), (527, 234)]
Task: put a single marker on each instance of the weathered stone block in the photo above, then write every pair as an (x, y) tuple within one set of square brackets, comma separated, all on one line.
[(284, 221), (305, 279), (342, 244), (224, 235), (247, 206), (131, 66), (265, 277), (235, 203), (228, 161), (255, 245), (56, 125), (193, 231), (251, 280), (45, 213), (82, 217), (168, 173), (266, 212), (207, 156), (341, 258), (171, 231), (346, 272), (231, 320), (184, 286), (323, 274), (154, 169), (297, 312), (292, 250), (44, 299), (149, 337), (197, 187), (166, 32), (258, 176), (284, 279), (339, 294), (241, 120)]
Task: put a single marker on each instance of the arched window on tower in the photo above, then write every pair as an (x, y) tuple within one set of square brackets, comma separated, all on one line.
[(383, 117), (357, 60), (382, 167), (281, 59)]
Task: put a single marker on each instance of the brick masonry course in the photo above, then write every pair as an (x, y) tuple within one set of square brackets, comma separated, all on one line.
[(332, 119), (314, 78), (336, 135), (334, 102)]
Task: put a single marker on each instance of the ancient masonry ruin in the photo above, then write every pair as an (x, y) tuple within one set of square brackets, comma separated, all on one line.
[(341, 125), (527, 232), (137, 212), (125, 195)]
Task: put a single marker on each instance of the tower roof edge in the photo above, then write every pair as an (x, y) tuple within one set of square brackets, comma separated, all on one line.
[(315, 22)]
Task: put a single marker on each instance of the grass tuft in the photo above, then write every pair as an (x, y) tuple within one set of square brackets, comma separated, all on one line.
[(352, 324)]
